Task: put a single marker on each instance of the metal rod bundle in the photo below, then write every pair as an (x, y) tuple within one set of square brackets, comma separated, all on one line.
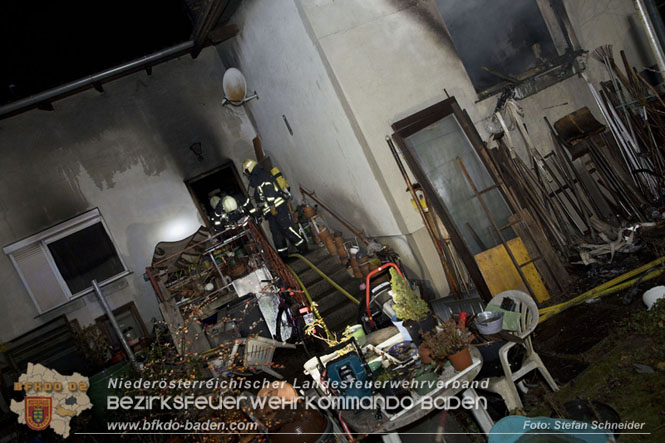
[(634, 112)]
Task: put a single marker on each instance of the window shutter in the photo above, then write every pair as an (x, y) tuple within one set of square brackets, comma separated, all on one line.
[(38, 277)]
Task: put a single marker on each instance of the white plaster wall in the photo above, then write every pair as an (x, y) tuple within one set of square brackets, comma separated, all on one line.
[(392, 58), (327, 152), (282, 64), (126, 152), (280, 58)]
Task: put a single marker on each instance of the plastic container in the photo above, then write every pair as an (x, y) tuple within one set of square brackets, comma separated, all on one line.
[(426, 381), (311, 366), (652, 295), (358, 332), (402, 329)]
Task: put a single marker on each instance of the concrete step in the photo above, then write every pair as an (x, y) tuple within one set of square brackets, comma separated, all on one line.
[(321, 286), (341, 316), (316, 255), (330, 300), (335, 308), (333, 297), (328, 266)]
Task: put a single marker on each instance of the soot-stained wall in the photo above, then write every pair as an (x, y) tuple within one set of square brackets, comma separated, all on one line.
[(393, 58), (126, 152), (499, 35)]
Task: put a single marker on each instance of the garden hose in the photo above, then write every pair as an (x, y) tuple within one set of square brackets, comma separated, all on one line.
[(620, 287), (643, 273), (630, 295), (326, 278)]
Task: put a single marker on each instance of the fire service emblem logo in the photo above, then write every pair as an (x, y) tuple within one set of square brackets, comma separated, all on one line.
[(38, 412)]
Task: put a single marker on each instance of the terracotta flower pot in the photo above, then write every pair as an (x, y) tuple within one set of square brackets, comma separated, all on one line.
[(238, 270), (330, 245), (309, 212), (363, 265), (343, 259), (461, 360), (323, 234)]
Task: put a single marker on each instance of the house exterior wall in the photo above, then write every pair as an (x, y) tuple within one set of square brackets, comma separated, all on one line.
[(281, 60), (392, 58), (342, 71), (126, 152)]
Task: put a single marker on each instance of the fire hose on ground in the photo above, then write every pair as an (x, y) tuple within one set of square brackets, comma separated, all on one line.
[(646, 272)]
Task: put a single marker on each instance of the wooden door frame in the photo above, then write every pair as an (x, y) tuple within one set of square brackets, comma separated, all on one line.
[(127, 307), (227, 164), (418, 121)]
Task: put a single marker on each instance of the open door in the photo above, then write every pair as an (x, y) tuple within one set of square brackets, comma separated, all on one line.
[(444, 152), (224, 178)]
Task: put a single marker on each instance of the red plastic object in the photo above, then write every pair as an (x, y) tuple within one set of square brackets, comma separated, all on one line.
[(462, 320), (367, 279)]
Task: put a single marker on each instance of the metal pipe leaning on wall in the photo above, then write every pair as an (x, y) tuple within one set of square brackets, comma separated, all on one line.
[(651, 32), (452, 284), (114, 323)]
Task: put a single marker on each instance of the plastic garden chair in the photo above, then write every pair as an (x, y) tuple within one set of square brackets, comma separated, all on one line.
[(258, 354), (505, 385)]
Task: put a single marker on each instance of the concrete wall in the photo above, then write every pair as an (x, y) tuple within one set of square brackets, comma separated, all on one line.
[(391, 58), (341, 72), (126, 152), (327, 152)]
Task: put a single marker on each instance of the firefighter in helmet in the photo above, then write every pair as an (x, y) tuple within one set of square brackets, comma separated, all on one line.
[(227, 213), (271, 201)]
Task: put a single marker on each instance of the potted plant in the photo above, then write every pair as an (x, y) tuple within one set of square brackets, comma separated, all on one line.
[(451, 342), (93, 344), (237, 267), (410, 308), (425, 353)]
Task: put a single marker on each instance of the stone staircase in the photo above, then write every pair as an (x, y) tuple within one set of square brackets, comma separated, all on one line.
[(335, 308)]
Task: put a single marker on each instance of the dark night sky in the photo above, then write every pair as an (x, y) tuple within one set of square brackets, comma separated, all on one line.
[(48, 43)]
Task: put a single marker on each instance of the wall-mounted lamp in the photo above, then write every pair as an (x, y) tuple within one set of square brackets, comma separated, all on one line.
[(235, 88)]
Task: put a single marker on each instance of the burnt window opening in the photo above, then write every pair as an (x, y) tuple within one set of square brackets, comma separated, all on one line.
[(84, 256), (521, 45)]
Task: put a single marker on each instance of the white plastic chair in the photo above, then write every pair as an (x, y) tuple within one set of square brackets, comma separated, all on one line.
[(505, 386), (258, 354)]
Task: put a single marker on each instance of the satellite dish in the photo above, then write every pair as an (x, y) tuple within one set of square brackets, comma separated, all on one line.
[(235, 88)]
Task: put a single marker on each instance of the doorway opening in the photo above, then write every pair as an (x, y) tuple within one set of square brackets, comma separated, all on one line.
[(221, 180)]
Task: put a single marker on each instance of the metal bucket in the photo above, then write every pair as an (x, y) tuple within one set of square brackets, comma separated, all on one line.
[(489, 322)]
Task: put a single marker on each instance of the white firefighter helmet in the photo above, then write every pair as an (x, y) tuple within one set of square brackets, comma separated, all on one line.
[(229, 204), (248, 166), (214, 201)]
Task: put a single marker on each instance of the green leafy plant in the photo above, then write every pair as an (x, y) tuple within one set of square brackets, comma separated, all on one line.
[(386, 376), (449, 340), (93, 344), (408, 303)]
